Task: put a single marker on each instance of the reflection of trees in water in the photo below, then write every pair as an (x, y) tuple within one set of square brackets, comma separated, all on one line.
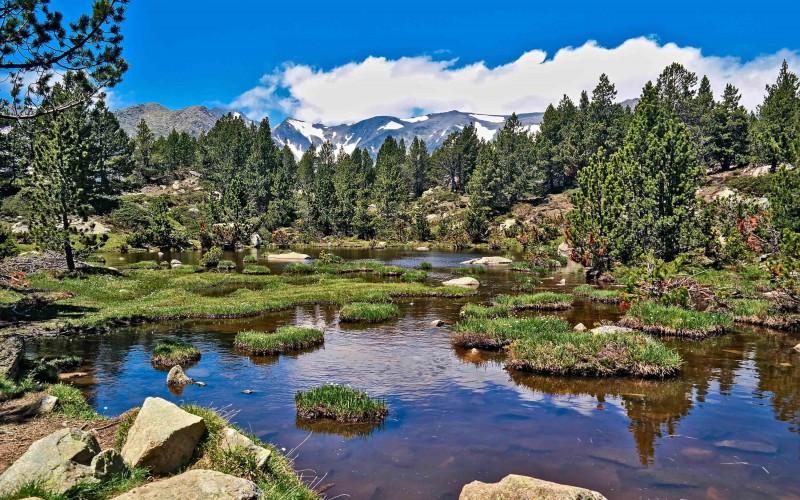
[(653, 406), (349, 431), (781, 384)]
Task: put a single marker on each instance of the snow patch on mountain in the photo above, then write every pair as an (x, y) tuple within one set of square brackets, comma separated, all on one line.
[(489, 118), (484, 133), (415, 119), (392, 125)]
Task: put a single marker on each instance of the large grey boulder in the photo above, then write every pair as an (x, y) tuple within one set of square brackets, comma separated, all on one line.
[(196, 485), (11, 351), (514, 487), (233, 440), (163, 437), (58, 461)]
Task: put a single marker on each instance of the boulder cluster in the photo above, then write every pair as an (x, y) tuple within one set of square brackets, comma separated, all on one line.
[(163, 438)]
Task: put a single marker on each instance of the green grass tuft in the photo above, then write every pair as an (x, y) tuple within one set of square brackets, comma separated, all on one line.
[(366, 312), (497, 333), (541, 301), (587, 354), (339, 403), (413, 275), (605, 295), (170, 352), (486, 312), (254, 269), (71, 402), (144, 264), (674, 321), (285, 338)]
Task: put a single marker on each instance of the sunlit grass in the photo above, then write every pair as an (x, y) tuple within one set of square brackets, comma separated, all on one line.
[(366, 312), (170, 352), (606, 295), (496, 333), (285, 338), (339, 403), (479, 311), (675, 321), (541, 301)]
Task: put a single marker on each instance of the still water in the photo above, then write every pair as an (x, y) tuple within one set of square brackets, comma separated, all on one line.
[(727, 427)]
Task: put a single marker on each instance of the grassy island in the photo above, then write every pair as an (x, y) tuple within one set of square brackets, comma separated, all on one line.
[(543, 301), (486, 312), (285, 338), (497, 333), (170, 352), (603, 295), (596, 355), (673, 321), (339, 403), (366, 312)]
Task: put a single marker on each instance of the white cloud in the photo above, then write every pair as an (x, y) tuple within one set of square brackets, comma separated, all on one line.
[(402, 87)]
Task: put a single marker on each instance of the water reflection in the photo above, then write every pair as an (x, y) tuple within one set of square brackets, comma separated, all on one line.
[(457, 415)]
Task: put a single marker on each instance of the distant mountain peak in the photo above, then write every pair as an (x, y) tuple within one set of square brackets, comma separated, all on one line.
[(194, 120)]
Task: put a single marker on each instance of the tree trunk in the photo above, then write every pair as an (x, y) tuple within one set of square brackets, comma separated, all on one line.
[(67, 245)]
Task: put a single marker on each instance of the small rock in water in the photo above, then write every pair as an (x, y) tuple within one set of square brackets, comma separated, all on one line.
[(176, 377), (247, 391), (438, 323), (67, 376), (199, 384), (562, 282), (474, 350), (749, 446), (580, 327)]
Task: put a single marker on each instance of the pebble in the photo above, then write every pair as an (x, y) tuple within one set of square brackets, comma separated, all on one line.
[(247, 391)]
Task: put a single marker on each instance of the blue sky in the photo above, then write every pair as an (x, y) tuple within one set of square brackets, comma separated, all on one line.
[(186, 52)]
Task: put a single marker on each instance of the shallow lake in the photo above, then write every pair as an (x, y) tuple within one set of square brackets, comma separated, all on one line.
[(727, 427)]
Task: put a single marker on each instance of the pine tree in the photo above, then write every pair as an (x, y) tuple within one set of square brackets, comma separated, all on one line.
[(778, 124), (703, 111), (418, 165), (143, 151), (606, 119), (391, 190), (729, 135), (676, 91), (456, 157), (112, 150), (61, 176)]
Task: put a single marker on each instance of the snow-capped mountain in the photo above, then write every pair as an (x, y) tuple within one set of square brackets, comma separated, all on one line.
[(372, 132)]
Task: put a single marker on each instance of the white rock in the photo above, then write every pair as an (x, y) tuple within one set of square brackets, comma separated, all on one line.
[(580, 327), (489, 261), (465, 282), (290, 256), (196, 485), (514, 487), (232, 440)]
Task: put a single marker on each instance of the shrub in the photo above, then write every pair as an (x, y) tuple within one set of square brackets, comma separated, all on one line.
[(496, 333), (71, 402), (426, 266), (340, 403), (8, 246), (285, 338), (674, 321), (170, 352), (366, 312), (581, 353), (212, 257), (540, 301), (249, 259)]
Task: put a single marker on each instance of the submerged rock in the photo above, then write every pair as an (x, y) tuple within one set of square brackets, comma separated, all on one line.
[(11, 351), (748, 446), (514, 487), (465, 282), (196, 484), (163, 437), (290, 256), (232, 440), (58, 462)]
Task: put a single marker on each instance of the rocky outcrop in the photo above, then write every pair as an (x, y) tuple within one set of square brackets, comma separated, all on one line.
[(107, 464), (489, 261), (58, 462), (288, 257), (177, 378), (514, 487), (163, 437), (465, 282), (11, 350), (196, 484), (234, 440)]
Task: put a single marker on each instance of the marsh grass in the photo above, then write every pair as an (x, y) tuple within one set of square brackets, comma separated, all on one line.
[(673, 321), (544, 301), (255, 269), (226, 265), (485, 312), (170, 352), (358, 266), (603, 295), (587, 354), (412, 275), (339, 403), (493, 334), (285, 338), (366, 312), (100, 301), (71, 402), (761, 313), (144, 264), (526, 267)]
